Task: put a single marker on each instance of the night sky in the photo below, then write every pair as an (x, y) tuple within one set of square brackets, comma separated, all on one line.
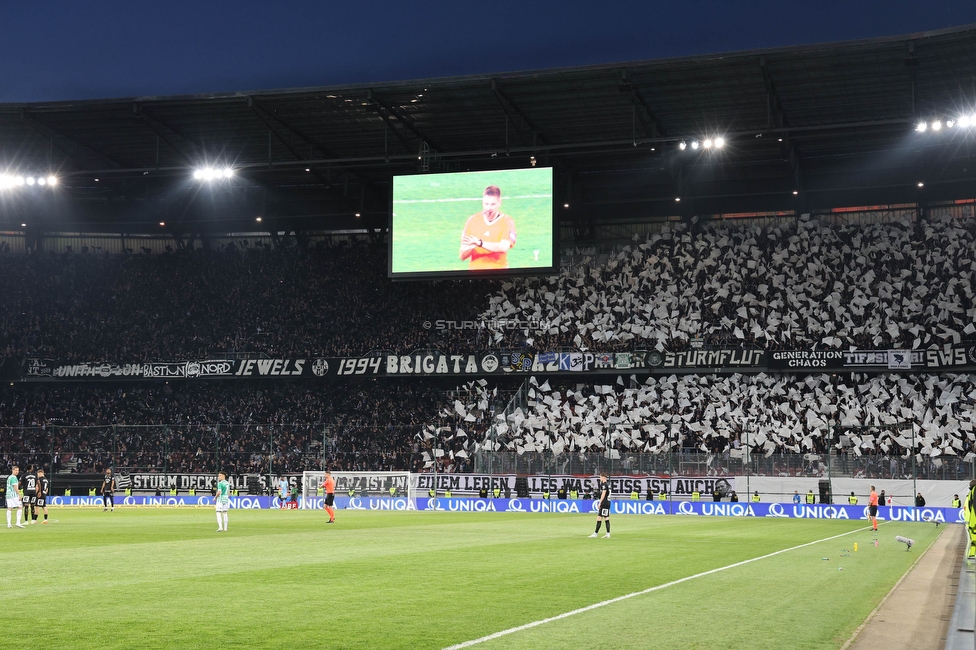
[(109, 48)]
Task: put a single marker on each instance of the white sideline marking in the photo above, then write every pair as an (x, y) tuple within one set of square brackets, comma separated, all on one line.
[(604, 603)]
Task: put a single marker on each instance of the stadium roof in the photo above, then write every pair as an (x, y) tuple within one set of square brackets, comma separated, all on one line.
[(834, 123)]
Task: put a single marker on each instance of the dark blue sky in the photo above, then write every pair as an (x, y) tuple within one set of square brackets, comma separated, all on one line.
[(111, 48)]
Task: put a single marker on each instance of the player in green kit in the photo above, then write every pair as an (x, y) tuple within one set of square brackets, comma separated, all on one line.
[(222, 501), (13, 496)]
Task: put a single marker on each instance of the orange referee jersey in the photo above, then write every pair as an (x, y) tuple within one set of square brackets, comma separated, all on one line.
[(329, 485), (502, 227)]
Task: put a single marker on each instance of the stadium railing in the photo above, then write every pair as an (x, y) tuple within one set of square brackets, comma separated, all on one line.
[(272, 449), (694, 463)]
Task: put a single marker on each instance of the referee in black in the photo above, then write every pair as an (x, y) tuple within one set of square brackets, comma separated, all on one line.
[(604, 508), (108, 491)]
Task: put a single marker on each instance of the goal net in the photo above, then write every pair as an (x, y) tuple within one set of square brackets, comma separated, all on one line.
[(363, 485)]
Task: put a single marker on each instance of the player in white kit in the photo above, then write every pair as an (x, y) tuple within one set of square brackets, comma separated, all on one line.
[(222, 501), (13, 497)]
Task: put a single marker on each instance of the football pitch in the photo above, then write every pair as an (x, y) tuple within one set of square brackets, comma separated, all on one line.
[(150, 578)]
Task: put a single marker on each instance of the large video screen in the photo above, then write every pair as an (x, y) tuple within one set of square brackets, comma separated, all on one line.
[(472, 223)]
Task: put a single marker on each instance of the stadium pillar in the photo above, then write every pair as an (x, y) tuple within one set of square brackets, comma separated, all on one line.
[(270, 456), (325, 432), (551, 459), (670, 462), (491, 454), (217, 447), (830, 452), (748, 451), (166, 452), (914, 472)]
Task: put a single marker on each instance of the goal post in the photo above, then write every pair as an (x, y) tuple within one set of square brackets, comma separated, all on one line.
[(364, 484)]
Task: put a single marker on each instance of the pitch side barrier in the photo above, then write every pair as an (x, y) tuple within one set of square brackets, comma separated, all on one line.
[(565, 506)]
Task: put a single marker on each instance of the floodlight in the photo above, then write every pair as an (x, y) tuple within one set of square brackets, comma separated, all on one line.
[(965, 121), (162, 223), (950, 124), (677, 199), (30, 180), (258, 219), (52, 180), (921, 184), (795, 192), (23, 225), (719, 142), (565, 205), (210, 174), (42, 181), (694, 144), (936, 125), (921, 127), (707, 143), (682, 145)]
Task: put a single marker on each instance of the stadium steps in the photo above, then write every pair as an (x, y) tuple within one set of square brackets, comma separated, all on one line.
[(837, 468)]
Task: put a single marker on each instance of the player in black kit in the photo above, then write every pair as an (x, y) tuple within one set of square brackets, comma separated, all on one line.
[(29, 483), (603, 513), (108, 491), (43, 489)]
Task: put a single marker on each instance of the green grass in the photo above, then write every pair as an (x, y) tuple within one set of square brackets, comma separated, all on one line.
[(140, 578), (427, 236)]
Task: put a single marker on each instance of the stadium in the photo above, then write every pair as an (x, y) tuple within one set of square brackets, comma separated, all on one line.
[(725, 301)]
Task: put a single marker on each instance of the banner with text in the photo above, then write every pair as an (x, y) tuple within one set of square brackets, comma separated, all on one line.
[(566, 506), (465, 484), (496, 362), (945, 358)]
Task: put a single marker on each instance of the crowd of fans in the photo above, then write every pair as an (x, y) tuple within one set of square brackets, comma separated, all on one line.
[(806, 285), (906, 285), (810, 283), (862, 415), (333, 301), (196, 427)]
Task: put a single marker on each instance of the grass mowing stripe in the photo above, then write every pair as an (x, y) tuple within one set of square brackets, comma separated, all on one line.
[(475, 198), (526, 626)]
